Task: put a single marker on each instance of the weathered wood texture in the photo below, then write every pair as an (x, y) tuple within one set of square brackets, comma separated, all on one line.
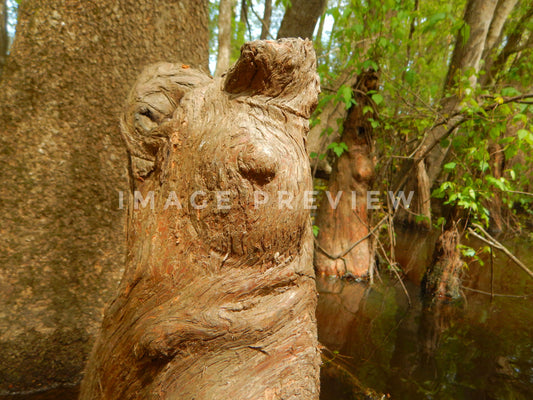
[(62, 162), (442, 280), (342, 217), (217, 303)]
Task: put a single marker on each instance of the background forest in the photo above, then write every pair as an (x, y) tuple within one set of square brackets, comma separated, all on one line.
[(425, 107)]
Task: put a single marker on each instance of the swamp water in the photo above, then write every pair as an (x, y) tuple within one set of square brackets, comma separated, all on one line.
[(480, 349)]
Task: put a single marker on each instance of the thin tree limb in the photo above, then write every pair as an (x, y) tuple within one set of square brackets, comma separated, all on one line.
[(525, 296), (497, 245)]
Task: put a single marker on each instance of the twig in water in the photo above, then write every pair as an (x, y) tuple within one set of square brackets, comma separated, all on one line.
[(525, 296), (497, 245)]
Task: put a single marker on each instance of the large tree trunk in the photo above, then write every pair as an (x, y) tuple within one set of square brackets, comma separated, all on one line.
[(343, 216), (300, 18), (62, 164), (218, 297)]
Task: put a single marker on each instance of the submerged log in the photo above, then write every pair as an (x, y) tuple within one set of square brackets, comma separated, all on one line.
[(218, 296)]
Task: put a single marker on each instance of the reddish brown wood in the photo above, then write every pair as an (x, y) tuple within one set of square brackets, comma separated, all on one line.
[(216, 303), (342, 226)]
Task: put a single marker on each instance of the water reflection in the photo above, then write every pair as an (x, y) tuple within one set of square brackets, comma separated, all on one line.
[(479, 349), (64, 393)]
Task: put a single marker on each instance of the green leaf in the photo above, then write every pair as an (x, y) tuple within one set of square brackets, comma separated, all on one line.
[(315, 230), (510, 91), (383, 42), (345, 92), (522, 133), (367, 109), (410, 77), (338, 148), (450, 166), (468, 251), (421, 218), (433, 20), (358, 29), (370, 64), (378, 99)]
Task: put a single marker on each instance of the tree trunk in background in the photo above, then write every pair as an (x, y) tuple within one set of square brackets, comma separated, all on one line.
[(300, 18), (344, 224), (333, 111), (4, 39), (265, 27), (225, 15), (494, 63), (470, 44), (218, 299), (430, 155), (494, 35), (63, 164)]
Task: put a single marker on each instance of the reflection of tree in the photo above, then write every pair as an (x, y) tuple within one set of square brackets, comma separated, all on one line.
[(338, 304), (354, 320)]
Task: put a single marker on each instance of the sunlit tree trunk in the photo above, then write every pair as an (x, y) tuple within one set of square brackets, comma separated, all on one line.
[(63, 165), (513, 44), (494, 35), (429, 157), (218, 297), (225, 15)]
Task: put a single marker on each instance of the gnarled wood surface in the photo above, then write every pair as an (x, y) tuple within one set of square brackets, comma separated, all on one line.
[(217, 302), (342, 217)]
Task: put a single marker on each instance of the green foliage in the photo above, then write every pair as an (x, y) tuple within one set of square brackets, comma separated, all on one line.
[(412, 47), (472, 181), (338, 148)]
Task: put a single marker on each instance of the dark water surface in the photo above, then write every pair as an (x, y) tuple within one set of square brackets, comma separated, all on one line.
[(480, 349)]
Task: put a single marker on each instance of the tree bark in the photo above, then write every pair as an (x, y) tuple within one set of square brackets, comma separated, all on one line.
[(344, 224), (300, 18), (494, 35), (63, 164), (442, 279), (470, 43), (4, 39), (216, 302), (225, 15), (494, 63), (318, 140)]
